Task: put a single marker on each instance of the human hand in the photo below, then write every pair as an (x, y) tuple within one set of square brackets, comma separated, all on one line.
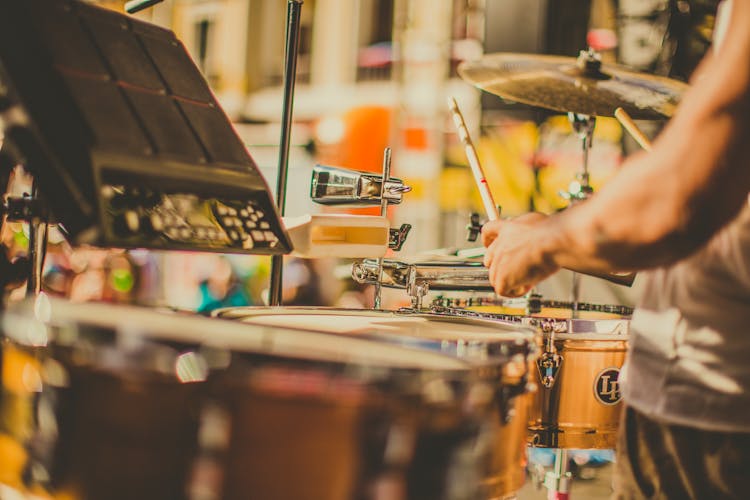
[(515, 255)]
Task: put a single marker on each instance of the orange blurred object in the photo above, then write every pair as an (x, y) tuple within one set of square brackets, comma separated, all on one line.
[(365, 133), (355, 140)]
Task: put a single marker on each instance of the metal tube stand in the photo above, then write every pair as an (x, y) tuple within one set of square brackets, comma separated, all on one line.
[(383, 213), (290, 73), (558, 481), (583, 126)]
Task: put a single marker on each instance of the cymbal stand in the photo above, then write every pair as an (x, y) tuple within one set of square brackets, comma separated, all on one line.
[(559, 480), (294, 8), (580, 189), (383, 213)]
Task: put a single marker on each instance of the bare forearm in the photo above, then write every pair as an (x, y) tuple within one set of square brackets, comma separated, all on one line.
[(665, 205)]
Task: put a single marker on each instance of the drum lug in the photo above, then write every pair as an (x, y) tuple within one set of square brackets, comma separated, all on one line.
[(397, 237), (473, 228), (417, 289), (548, 365)]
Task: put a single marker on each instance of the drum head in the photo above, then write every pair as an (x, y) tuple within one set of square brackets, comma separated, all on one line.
[(45, 320), (364, 322)]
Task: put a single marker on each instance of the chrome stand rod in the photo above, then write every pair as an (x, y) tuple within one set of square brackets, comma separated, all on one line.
[(583, 126), (559, 480), (383, 213)]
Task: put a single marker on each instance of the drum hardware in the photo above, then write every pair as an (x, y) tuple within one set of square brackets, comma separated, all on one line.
[(418, 279), (341, 186), (383, 213), (293, 15), (417, 290), (397, 237), (543, 324), (474, 227), (533, 304), (558, 481), (583, 126), (549, 364)]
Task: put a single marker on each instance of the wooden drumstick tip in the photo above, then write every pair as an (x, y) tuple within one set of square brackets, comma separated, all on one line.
[(628, 124)]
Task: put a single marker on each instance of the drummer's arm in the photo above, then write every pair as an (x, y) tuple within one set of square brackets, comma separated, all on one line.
[(665, 205)]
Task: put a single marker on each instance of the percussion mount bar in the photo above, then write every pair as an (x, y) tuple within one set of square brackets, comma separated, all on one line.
[(383, 213), (583, 126), (290, 72)]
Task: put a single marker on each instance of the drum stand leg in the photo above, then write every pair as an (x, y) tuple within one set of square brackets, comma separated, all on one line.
[(558, 481), (580, 190)]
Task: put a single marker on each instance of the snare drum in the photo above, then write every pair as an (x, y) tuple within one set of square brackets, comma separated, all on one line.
[(149, 405), (506, 348), (577, 404)]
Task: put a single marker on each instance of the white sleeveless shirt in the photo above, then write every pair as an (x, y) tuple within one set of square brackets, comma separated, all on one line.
[(689, 360)]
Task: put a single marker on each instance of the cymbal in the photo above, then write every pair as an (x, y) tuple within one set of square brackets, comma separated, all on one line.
[(584, 85)]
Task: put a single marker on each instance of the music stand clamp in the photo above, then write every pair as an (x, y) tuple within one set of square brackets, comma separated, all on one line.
[(27, 208)]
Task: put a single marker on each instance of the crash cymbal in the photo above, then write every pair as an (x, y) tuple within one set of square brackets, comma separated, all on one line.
[(583, 85)]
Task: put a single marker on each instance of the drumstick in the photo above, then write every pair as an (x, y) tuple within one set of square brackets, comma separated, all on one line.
[(476, 168), (492, 210), (624, 118)]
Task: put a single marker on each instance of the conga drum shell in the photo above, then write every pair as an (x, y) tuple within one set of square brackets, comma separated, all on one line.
[(483, 342), (125, 438), (582, 408), (313, 442)]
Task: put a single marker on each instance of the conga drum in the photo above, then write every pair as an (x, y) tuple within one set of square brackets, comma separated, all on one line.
[(140, 404), (506, 348), (118, 403), (577, 404)]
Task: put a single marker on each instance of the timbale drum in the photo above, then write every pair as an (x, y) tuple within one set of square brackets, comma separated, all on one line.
[(577, 404)]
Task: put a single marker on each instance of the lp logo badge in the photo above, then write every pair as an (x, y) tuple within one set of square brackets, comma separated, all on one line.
[(606, 386)]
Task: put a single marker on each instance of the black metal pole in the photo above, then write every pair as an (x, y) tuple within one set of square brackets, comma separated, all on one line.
[(134, 6), (290, 73)]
